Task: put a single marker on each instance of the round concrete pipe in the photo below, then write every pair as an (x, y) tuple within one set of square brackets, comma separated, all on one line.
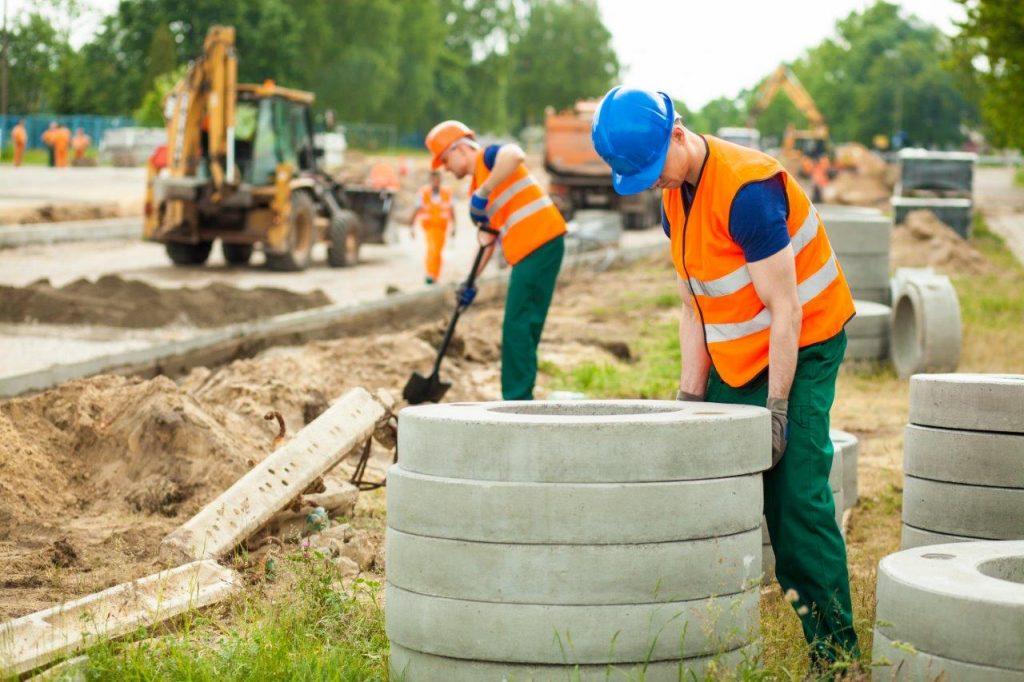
[(571, 634), (926, 328), (963, 601), (975, 402), (898, 662), (850, 446), (957, 456), (911, 537), (574, 574), (572, 513), (585, 441), (976, 511), (407, 664)]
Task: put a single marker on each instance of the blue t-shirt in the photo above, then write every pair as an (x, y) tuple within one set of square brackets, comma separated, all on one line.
[(490, 154), (757, 221)]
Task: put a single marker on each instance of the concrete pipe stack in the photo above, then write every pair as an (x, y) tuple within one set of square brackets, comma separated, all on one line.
[(926, 326), (867, 334), (837, 475), (951, 612), (582, 538), (963, 459), (862, 240)]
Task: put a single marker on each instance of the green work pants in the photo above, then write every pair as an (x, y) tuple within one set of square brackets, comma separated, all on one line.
[(530, 289), (810, 556)]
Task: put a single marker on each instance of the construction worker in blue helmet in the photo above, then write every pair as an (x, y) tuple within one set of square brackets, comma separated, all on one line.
[(765, 305)]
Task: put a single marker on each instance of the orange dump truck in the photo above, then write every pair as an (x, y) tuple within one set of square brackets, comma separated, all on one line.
[(579, 178)]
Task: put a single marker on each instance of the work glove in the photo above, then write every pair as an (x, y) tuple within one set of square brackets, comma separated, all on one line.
[(478, 209), (689, 397), (465, 295), (779, 407)]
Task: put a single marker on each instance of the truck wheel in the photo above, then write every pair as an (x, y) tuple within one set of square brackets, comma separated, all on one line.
[(344, 237), (188, 254), (301, 237), (236, 254)]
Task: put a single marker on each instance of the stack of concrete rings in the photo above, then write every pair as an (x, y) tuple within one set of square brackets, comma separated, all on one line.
[(963, 459), (850, 446), (862, 240), (867, 334), (532, 540), (836, 481), (926, 327), (951, 612)]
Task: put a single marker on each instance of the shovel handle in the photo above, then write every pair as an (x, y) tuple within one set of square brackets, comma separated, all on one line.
[(458, 311)]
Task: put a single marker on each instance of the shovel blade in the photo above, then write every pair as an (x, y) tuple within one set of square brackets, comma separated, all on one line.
[(420, 389)]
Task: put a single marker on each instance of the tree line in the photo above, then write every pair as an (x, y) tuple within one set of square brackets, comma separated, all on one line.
[(408, 63), (499, 63)]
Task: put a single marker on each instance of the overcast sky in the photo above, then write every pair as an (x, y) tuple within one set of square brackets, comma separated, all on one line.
[(695, 51)]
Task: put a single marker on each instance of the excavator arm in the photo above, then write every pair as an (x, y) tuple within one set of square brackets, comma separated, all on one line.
[(783, 78)]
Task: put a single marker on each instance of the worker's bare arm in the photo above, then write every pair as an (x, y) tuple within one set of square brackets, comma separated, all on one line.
[(695, 362), (508, 158), (774, 280)]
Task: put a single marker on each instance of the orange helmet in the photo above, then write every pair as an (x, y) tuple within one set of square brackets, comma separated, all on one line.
[(442, 136)]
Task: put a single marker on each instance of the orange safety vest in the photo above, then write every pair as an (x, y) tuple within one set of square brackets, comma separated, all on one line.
[(520, 210), (436, 212), (736, 323)]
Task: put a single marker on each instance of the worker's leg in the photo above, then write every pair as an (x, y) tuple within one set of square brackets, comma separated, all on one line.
[(810, 555), (530, 289), (19, 153), (435, 236)]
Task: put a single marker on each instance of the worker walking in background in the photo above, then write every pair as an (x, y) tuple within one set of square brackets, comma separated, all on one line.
[(58, 139), (80, 145), (435, 215), (510, 210), (764, 308), (19, 138)]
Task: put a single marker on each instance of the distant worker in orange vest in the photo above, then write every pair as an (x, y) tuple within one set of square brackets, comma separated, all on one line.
[(58, 138), (19, 138), (510, 210), (435, 215), (80, 144), (384, 176), (762, 322)]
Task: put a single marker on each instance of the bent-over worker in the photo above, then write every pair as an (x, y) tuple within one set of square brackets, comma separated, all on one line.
[(765, 304), (510, 209), (436, 216)]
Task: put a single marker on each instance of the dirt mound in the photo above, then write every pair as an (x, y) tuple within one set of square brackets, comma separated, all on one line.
[(117, 302), (866, 179), (923, 240)]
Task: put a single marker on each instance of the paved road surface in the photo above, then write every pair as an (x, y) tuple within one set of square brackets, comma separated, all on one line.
[(1001, 201)]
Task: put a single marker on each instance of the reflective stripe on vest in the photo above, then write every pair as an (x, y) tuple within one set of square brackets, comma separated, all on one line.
[(808, 289)]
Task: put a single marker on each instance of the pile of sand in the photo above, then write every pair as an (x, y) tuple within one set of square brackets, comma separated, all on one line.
[(117, 302), (923, 240), (865, 179)]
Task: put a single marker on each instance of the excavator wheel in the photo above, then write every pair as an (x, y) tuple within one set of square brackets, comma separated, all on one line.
[(188, 254), (301, 237), (236, 254), (344, 236)]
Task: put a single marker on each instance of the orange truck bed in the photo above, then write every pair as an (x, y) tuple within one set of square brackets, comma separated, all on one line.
[(568, 149)]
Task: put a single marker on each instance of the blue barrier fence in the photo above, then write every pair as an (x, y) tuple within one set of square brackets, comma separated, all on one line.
[(35, 124)]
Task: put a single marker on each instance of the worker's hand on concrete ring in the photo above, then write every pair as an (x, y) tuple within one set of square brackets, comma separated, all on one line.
[(478, 209), (465, 295), (779, 407), (689, 397)]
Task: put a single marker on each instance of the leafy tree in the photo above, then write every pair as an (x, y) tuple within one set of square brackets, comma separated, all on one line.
[(151, 111), (162, 55), (992, 39)]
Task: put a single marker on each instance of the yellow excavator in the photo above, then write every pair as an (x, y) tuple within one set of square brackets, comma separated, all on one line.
[(796, 144), (240, 166)]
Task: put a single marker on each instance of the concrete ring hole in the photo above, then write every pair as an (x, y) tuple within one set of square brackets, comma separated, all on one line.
[(595, 409), (938, 556), (1008, 568), (904, 333)]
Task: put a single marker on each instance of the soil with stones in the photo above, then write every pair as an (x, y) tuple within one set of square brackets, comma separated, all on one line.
[(117, 302), (922, 240)]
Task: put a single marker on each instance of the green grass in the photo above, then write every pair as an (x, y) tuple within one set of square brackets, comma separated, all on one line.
[(35, 157), (1018, 177)]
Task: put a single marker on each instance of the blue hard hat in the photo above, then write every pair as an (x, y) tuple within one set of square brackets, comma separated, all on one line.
[(631, 131)]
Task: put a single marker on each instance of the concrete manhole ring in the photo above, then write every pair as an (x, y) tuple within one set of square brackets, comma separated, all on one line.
[(975, 402)]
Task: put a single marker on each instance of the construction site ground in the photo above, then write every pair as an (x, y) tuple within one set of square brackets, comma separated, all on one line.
[(39, 194), (95, 472)]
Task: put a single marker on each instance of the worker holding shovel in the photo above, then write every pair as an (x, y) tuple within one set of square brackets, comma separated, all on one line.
[(435, 215), (510, 210), (764, 308)]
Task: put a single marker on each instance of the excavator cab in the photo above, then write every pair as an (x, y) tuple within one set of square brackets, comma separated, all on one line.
[(242, 168)]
